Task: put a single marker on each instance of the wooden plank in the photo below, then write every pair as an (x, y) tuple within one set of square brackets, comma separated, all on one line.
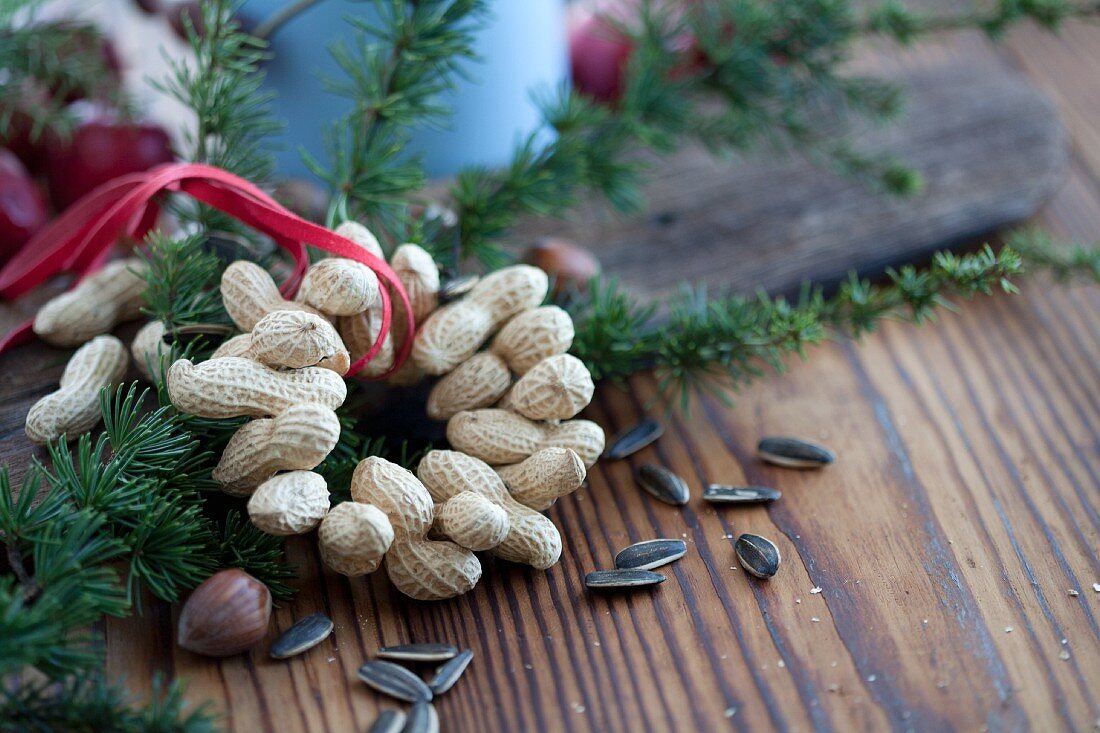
[(964, 502), (989, 146)]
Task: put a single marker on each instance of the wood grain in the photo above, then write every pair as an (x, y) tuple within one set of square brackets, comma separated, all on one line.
[(989, 146), (964, 503)]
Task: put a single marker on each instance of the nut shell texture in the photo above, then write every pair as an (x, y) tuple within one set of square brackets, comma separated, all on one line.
[(478, 382), (339, 287), (74, 408), (354, 537), (510, 290), (298, 439), (545, 477), (454, 333), (362, 236), (360, 332), (472, 521), (418, 272), (532, 336), (249, 294), (227, 614), (532, 538), (419, 568), (232, 387), (296, 340), (148, 348), (503, 437), (239, 345), (556, 389), (95, 306), (494, 436), (290, 503), (583, 437), (450, 336)]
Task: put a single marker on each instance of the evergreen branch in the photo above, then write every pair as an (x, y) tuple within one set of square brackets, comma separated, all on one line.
[(773, 82), (129, 501), (90, 705), (46, 65), (1065, 263), (892, 18), (724, 343), (223, 86), (182, 282), (394, 74), (284, 15), (242, 545), (754, 75)]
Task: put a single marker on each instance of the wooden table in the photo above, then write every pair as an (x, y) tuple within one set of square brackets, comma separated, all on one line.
[(938, 576)]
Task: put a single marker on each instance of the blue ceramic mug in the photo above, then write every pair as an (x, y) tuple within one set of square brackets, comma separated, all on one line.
[(522, 48)]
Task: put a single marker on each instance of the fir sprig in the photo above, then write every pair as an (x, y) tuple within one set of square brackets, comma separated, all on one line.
[(1065, 262), (758, 74), (120, 512), (90, 705), (182, 282), (46, 64), (892, 18), (223, 87), (393, 74), (722, 343)]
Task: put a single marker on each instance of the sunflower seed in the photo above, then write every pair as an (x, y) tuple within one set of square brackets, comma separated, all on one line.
[(306, 633), (390, 721), (663, 484), (616, 579), (650, 554), (721, 494), (634, 439), (457, 287), (757, 555), (794, 453), (422, 719), (448, 673), (395, 681), (418, 652)]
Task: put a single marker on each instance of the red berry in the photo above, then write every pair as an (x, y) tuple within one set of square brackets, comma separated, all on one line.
[(18, 135), (598, 53), (17, 139), (571, 266), (99, 151), (599, 50), (22, 208)]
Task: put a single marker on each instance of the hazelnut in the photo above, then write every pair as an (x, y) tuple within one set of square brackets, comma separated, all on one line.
[(569, 265), (227, 614)]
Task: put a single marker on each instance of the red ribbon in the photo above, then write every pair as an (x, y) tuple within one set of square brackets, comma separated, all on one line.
[(80, 240)]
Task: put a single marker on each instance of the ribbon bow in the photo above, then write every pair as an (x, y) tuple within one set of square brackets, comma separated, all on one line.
[(80, 240)]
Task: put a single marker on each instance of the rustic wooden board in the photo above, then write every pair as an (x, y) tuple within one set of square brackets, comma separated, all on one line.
[(964, 502), (990, 148)]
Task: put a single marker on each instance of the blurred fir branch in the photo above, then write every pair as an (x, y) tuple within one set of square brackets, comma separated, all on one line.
[(223, 86), (1064, 262), (892, 18), (721, 343), (182, 282), (758, 74), (393, 74), (45, 65), (90, 705)]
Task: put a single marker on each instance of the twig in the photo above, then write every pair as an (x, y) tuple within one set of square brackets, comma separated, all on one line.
[(15, 561), (280, 18)]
